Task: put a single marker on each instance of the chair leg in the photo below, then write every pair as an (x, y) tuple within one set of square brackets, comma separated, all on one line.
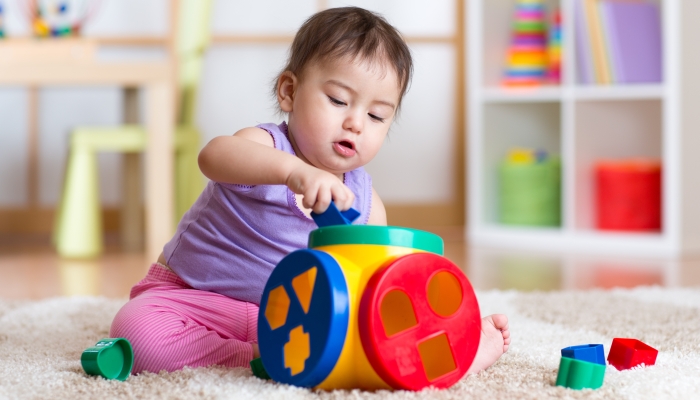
[(132, 229), (189, 181), (79, 223)]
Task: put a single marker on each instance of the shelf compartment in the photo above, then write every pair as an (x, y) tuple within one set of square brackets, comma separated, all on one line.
[(511, 125), (611, 130), (626, 40), (496, 29)]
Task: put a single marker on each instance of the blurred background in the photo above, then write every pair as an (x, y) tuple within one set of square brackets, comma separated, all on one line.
[(528, 139)]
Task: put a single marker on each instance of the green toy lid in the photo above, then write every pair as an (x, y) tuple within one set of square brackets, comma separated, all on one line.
[(111, 358), (375, 234), (258, 369)]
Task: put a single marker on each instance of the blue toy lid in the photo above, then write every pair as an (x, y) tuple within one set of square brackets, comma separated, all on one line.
[(303, 318)]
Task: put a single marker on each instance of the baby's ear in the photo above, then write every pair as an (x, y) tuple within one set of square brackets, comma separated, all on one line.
[(286, 87)]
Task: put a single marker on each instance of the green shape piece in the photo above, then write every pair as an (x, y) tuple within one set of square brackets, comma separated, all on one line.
[(258, 369), (378, 235), (578, 374), (111, 358)]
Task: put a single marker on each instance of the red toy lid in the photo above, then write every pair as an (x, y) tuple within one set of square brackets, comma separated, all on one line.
[(419, 322)]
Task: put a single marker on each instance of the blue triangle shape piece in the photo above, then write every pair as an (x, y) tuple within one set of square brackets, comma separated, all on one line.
[(332, 216)]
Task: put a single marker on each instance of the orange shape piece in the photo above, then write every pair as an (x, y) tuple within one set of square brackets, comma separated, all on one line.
[(303, 285), (277, 307), (297, 350)]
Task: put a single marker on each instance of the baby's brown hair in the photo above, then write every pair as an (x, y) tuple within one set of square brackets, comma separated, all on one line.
[(350, 32)]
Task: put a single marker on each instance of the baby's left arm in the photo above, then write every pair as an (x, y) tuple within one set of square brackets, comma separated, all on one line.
[(377, 213)]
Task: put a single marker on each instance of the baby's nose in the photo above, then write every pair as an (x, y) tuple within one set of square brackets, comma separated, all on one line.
[(353, 122)]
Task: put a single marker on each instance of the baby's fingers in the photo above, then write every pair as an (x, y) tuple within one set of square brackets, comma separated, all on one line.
[(343, 197), (309, 199), (323, 200)]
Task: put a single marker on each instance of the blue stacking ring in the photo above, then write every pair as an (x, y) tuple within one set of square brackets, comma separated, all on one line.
[(325, 322)]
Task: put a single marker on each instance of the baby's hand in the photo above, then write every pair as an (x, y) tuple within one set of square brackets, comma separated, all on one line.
[(319, 188)]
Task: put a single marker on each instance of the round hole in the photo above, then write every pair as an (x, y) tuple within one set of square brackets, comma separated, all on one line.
[(444, 294)]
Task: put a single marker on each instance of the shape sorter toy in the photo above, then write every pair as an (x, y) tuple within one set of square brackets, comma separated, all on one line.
[(582, 367), (370, 307), (628, 353)]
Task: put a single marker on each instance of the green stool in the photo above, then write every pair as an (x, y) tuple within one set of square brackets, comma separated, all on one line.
[(78, 225)]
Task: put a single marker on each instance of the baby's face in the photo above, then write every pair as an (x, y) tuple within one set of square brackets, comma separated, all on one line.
[(342, 112)]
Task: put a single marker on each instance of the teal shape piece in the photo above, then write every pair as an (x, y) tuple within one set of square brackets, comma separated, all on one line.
[(578, 374)]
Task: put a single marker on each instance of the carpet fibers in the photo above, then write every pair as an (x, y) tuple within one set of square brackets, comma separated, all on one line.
[(41, 343)]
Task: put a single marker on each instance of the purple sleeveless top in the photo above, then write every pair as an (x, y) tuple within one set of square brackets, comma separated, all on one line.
[(234, 235)]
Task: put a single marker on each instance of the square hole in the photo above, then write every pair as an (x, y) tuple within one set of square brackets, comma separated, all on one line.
[(437, 357)]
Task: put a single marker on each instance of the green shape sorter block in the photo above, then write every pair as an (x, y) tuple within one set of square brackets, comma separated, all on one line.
[(578, 374)]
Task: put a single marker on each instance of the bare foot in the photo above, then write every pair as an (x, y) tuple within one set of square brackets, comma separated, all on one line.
[(495, 339)]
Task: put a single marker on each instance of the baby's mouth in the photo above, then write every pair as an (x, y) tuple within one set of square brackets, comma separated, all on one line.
[(345, 148)]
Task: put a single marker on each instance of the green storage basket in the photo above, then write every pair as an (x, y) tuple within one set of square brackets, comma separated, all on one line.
[(530, 193)]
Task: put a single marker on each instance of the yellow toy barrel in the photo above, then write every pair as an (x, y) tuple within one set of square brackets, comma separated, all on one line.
[(361, 250), (330, 313)]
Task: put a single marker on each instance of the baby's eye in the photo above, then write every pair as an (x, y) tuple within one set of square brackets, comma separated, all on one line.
[(376, 118), (336, 101)]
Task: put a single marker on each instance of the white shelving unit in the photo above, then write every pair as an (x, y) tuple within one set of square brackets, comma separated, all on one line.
[(581, 124)]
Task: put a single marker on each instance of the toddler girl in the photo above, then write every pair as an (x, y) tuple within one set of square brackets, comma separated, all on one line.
[(347, 72)]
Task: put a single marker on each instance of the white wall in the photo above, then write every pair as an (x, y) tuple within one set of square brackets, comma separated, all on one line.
[(415, 166)]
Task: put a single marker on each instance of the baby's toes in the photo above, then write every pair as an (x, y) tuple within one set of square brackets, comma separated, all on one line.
[(500, 321), (506, 340)]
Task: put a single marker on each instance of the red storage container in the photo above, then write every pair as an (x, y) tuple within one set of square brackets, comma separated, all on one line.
[(628, 195)]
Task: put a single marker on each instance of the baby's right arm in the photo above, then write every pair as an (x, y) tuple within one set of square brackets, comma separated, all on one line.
[(249, 158)]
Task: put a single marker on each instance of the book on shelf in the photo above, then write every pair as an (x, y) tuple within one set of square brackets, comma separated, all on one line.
[(597, 40), (618, 41), (583, 49)]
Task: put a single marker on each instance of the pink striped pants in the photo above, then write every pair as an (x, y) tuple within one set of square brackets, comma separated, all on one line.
[(171, 325)]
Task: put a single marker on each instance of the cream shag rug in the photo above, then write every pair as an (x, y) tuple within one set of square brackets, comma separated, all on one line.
[(41, 343)]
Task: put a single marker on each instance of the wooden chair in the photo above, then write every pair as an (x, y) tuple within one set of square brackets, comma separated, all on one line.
[(78, 225)]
